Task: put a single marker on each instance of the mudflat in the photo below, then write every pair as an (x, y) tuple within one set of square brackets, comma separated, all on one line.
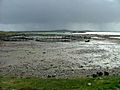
[(59, 59)]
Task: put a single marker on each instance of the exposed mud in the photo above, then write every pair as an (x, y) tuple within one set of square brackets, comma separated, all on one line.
[(59, 59)]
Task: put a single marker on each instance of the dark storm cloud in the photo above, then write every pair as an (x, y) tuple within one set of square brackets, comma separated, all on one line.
[(60, 13)]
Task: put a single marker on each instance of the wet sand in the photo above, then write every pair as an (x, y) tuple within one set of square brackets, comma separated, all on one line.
[(59, 59)]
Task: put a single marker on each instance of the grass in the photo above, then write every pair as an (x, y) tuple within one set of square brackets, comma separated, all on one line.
[(6, 33), (86, 83)]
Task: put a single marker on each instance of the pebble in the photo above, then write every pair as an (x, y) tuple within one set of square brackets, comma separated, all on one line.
[(89, 84)]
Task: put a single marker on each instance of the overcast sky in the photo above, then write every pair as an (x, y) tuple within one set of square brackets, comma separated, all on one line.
[(99, 15)]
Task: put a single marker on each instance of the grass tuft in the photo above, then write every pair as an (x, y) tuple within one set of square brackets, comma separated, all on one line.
[(86, 83)]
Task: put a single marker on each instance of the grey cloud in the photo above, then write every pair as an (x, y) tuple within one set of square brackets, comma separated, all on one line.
[(59, 13), (54, 11)]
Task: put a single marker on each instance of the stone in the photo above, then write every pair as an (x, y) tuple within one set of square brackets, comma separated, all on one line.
[(106, 73), (89, 84), (48, 76), (44, 52), (94, 75), (100, 73)]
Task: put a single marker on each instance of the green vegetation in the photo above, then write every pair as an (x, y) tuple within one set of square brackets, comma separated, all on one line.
[(7, 33), (86, 83)]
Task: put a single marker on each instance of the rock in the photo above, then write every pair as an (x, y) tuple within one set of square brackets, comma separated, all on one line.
[(81, 66), (89, 84), (106, 73), (51, 65), (48, 76), (94, 75), (99, 73), (53, 76), (42, 60), (44, 52), (87, 40)]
